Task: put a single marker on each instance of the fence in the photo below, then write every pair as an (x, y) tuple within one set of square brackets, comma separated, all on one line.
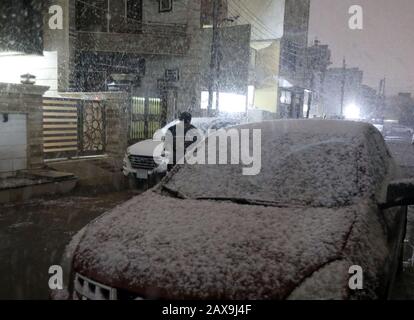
[(73, 127), (146, 118)]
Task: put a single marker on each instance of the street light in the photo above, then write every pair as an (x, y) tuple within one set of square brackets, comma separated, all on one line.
[(352, 111)]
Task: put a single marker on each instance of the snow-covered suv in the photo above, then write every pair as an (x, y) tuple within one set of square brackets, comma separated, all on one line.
[(328, 201)]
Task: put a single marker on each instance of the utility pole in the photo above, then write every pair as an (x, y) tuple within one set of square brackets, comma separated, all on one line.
[(381, 95), (310, 100), (343, 86), (214, 66)]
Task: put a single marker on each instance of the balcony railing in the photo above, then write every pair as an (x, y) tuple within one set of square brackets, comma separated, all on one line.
[(140, 38), (93, 19)]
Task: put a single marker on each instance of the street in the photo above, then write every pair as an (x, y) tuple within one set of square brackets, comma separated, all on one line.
[(33, 236)]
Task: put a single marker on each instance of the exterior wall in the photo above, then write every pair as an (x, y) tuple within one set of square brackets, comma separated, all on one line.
[(284, 21), (295, 42), (57, 41), (156, 66), (265, 77), (318, 61), (192, 71), (156, 33), (52, 68), (187, 89), (234, 65), (26, 100), (162, 48), (17, 19), (13, 144), (293, 74), (178, 15), (117, 122), (266, 98), (43, 67), (266, 19)]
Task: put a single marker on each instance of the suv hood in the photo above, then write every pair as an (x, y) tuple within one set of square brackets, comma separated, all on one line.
[(162, 247), (144, 148)]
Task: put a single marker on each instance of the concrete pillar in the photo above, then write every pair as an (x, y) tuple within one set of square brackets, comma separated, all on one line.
[(117, 124), (26, 100), (59, 40)]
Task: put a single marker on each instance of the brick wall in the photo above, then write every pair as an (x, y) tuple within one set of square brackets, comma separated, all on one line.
[(117, 124)]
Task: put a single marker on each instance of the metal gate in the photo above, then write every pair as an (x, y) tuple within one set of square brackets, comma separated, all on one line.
[(146, 118), (92, 129), (73, 128)]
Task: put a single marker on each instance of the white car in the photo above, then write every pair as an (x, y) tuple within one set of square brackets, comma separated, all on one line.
[(397, 132), (139, 161)]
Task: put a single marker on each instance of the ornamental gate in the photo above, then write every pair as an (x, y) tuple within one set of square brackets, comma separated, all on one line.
[(73, 127), (147, 117)]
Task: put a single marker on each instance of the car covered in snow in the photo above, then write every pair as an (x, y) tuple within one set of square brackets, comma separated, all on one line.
[(139, 159), (397, 132), (327, 201)]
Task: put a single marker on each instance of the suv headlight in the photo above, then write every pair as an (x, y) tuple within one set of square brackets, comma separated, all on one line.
[(66, 264)]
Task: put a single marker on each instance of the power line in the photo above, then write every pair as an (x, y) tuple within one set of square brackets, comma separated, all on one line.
[(256, 18), (262, 30), (258, 32)]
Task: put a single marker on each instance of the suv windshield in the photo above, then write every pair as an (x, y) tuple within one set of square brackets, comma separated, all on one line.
[(297, 168)]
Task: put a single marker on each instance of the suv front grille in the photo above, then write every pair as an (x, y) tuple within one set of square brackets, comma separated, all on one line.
[(140, 162), (87, 289)]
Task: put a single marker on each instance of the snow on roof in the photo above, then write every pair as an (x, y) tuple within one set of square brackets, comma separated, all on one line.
[(317, 163), (186, 248), (316, 126)]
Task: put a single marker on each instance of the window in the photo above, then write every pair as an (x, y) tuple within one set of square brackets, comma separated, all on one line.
[(134, 9), (91, 16), (286, 97), (165, 5), (228, 102)]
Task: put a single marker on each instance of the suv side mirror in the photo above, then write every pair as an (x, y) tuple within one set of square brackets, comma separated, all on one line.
[(399, 193)]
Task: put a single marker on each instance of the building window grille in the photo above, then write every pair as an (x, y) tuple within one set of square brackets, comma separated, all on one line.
[(165, 5)]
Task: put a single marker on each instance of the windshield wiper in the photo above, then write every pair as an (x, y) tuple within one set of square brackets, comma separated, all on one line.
[(173, 193), (248, 201)]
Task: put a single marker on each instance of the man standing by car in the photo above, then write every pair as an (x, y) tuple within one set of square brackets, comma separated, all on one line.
[(176, 138)]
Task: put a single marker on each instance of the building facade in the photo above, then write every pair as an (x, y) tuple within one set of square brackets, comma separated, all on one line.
[(294, 74), (160, 52)]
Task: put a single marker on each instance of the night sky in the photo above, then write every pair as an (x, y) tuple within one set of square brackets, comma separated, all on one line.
[(385, 46)]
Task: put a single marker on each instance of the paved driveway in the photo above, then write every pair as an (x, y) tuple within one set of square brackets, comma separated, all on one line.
[(34, 234)]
